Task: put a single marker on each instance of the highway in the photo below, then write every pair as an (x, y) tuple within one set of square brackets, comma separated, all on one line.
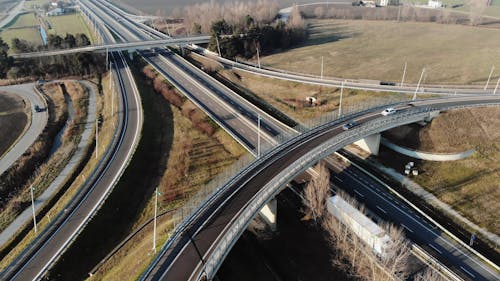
[(134, 32), (33, 262), (115, 47), (233, 113), (347, 83), (37, 125), (189, 254)]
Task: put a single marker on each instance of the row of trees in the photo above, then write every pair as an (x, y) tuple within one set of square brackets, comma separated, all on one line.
[(352, 253), (53, 66), (199, 17), (54, 42), (248, 35)]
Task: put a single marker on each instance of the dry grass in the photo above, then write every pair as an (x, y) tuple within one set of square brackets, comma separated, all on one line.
[(472, 185), (290, 97), (379, 49), (195, 157), (14, 116), (105, 136)]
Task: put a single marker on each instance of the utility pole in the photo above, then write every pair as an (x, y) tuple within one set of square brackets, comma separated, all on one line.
[(111, 91), (322, 67), (496, 87), (154, 224), (258, 136), (489, 77), (96, 138), (404, 73), (418, 85), (340, 102), (218, 46), (258, 55), (33, 208)]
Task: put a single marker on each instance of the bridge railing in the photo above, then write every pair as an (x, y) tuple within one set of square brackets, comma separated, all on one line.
[(205, 197), (271, 189)]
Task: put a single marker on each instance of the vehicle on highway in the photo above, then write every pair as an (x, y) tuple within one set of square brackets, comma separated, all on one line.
[(386, 83), (38, 108), (349, 125), (388, 111)]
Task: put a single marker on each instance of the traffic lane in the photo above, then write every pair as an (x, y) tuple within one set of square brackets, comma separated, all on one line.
[(245, 131), (183, 269), (221, 213), (371, 193), (73, 221), (235, 101), (37, 125)]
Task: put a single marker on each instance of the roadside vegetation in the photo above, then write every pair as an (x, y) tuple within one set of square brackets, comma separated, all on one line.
[(58, 154), (24, 172), (15, 116), (199, 151), (291, 99), (469, 186), (82, 172), (350, 252)]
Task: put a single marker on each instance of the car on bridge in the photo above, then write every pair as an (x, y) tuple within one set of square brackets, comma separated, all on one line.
[(349, 125), (388, 111)]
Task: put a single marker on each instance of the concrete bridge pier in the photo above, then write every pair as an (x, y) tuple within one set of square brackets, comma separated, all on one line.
[(370, 144), (269, 212)]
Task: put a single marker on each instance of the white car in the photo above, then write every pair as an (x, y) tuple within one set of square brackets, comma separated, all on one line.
[(388, 111)]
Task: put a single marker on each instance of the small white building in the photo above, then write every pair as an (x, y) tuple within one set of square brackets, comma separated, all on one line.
[(435, 4), (56, 12), (384, 3)]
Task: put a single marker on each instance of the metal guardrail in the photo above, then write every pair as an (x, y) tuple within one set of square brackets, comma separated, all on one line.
[(236, 228)]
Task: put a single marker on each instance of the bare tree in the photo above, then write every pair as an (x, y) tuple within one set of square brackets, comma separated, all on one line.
[(477, 8), (316, 193), (319, 12), (296, 20)]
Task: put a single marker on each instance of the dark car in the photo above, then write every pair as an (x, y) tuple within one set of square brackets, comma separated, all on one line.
[(38, 109), (387, 83), (349, 125)]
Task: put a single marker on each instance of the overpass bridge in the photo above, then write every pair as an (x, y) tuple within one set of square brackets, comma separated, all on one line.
[(198, 247), (138, 45)]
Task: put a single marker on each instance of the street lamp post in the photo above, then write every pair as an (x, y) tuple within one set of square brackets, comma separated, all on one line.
[(418, 85), (404, 73), (33, 208), (340, 101), (489, 77), (154, 224), (258, 136)]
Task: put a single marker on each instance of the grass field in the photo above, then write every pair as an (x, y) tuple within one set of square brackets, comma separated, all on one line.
[(13, 119), (23, 20), (71, 23), (379, 49), (472, 185)]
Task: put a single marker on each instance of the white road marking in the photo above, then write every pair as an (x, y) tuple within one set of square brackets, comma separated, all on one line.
[(357, 192), (468, 272), (436, 249), (407, 228), (381, 209), (339, 179)]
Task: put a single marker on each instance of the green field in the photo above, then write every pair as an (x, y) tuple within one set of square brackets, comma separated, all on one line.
[(23, 20), (29, 34), (72, 23), (379, 49)]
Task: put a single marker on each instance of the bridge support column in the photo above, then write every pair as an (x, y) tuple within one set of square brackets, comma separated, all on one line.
[(268, 213), (370, 144)]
